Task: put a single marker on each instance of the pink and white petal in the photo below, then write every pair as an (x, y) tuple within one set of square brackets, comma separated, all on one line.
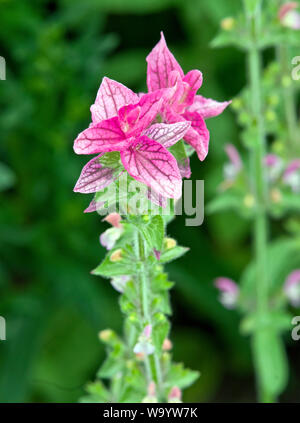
[(150, 106), (94, 206), (157, 199), (103, 137), (94, 177), (167, 134), (198, 135), (208, 107), (149, 162), (160, 63), (110, 98)]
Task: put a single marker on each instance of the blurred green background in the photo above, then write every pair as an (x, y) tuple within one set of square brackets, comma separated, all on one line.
[(57, 53)]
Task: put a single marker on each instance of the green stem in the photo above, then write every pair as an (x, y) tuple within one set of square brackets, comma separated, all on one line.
[(145, 294), (259, 182)]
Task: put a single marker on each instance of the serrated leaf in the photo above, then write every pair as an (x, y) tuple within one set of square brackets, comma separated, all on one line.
[(153, 232), (108, 269), (181, 377)]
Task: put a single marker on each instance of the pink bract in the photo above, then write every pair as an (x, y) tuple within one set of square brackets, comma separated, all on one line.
[(123, 127), (182, 104)]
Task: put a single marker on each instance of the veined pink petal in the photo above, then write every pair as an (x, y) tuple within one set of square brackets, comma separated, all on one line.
[(167, 134), (198, 135), (105, 136), (149, 162), (194, 80), (160, 63), (207, 107), (110, 98), (150, 105), (128, 117), (94, 177), (93, 206)]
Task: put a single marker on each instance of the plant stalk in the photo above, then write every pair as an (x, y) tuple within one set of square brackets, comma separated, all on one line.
[(259, 179), (146, 296)]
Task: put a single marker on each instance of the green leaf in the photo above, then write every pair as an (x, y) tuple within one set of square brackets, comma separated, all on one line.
[(113, 364), (270, 361), (181, 377), (108, 269), (160, 333), (277, 321), (290, 202), (252, 5), (161, 283), (173, 254), (283, 257), (153, 232)]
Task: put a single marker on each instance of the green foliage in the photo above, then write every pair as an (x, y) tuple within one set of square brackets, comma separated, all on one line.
[(270, 361)]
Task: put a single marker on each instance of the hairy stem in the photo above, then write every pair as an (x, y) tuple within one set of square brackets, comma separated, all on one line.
[(146, 297), (259, 180)]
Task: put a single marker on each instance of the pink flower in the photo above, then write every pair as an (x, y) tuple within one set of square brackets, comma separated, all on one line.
[(144, 345), (229, 291), (114, 219), (175, 395), (233, 168), (120, 126), (292, 288), (109, 237), (274, 165), (182, 103), (119, 282), (291, 175), (288, 15)]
